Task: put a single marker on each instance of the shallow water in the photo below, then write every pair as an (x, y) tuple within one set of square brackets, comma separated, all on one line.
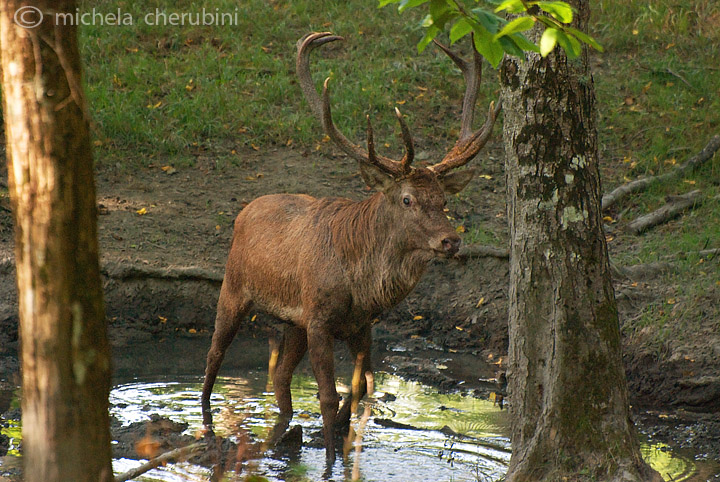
[(165, 379)]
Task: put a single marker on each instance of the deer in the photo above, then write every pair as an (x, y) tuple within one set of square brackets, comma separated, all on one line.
[(329, 266)]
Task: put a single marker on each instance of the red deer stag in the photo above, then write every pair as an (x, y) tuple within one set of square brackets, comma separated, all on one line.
[(329, 266)]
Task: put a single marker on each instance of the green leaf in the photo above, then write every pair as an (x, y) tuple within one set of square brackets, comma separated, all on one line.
[(405, 4), (430, 34), (548, 40), (519, 24), (510, 47), (511, 6), (586, 38), (560, 10), (441, 13), (488, 47), (488, 20), (570, 45), (384, 3), (460, 29), (522, 42)]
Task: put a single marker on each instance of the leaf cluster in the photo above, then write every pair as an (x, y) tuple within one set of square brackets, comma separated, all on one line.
[(493, 35)]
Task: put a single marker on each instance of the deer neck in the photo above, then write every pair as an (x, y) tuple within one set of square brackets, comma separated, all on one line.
[(376, 254)]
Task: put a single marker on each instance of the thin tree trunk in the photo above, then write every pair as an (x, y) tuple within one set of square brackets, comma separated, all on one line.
[(64, 348), (567, 386)]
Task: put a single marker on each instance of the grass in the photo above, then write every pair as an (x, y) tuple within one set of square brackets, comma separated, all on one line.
[(174, 90)]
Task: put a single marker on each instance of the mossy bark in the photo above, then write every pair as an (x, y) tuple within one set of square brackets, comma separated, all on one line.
[(64, 348), (570, 415)]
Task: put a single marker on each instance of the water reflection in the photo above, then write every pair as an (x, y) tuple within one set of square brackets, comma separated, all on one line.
[(434, 451)]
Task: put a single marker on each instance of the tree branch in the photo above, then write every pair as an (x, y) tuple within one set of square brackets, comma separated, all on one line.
[(176, 455), (691, 164), (674, 207)]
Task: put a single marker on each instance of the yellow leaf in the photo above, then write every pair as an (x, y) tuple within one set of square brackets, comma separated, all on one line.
[(162, 319), (460, 229), (192, 330), (492, 396), (608, 219), (635, 31), (485, 176), (303, 415), (401, 102), (157, 105), (671, 301), (97, 143), (141, 211), (217, 227), (253, 318), (689, 181), (254, 147), (459, 328), (417, 317), (480, 302)]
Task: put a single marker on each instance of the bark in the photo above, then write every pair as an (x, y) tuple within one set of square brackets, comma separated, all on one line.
[(64, 348), (568, 395)]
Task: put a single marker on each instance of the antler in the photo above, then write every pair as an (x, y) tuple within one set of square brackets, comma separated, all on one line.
[(321, 110), (469, 143)]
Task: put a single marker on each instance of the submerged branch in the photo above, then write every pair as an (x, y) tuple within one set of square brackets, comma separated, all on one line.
[(173, 455)]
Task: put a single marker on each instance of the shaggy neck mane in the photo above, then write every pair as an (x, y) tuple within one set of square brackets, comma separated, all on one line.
[(375, 252)]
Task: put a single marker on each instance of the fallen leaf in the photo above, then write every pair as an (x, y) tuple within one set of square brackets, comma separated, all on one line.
[(254, 317), (142, 211), (671, 301), (459, 328), (608, 219), (485, 176), (162, 319), (417, 318), (254, 147), (147, 447), (192, 330), (480, 302), (689, 181), (400, 102), (460, 229)]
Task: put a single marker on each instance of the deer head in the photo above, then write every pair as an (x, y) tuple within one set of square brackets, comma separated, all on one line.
[(415, 194)]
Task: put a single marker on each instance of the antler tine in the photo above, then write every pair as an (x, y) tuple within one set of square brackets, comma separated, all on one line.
[(321, 109), (470, 142), (372, 155), (472, 72), (407, 139)]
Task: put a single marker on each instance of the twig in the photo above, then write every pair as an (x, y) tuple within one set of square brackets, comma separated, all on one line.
[(176, 455), (673, 208), (693, 163)]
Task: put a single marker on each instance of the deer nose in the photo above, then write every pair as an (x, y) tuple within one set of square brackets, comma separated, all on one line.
[(451, 244)]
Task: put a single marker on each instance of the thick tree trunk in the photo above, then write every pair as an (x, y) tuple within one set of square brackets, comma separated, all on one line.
[(64, 348), (566, 381)]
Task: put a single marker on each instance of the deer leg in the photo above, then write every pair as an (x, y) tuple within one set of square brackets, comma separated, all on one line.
[(230, 311), (320, 345), (360, 350), (293, 350)]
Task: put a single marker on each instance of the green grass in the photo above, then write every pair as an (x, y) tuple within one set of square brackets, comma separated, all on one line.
[(174, 90)]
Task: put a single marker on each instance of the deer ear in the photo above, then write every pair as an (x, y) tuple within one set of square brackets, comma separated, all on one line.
[(456, 181), (375, 177)]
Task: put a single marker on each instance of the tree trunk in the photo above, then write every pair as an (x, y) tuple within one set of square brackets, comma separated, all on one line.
[(570, 415), (64, 348)]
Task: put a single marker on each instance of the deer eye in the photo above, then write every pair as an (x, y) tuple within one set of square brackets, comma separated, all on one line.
[(407, 201)]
